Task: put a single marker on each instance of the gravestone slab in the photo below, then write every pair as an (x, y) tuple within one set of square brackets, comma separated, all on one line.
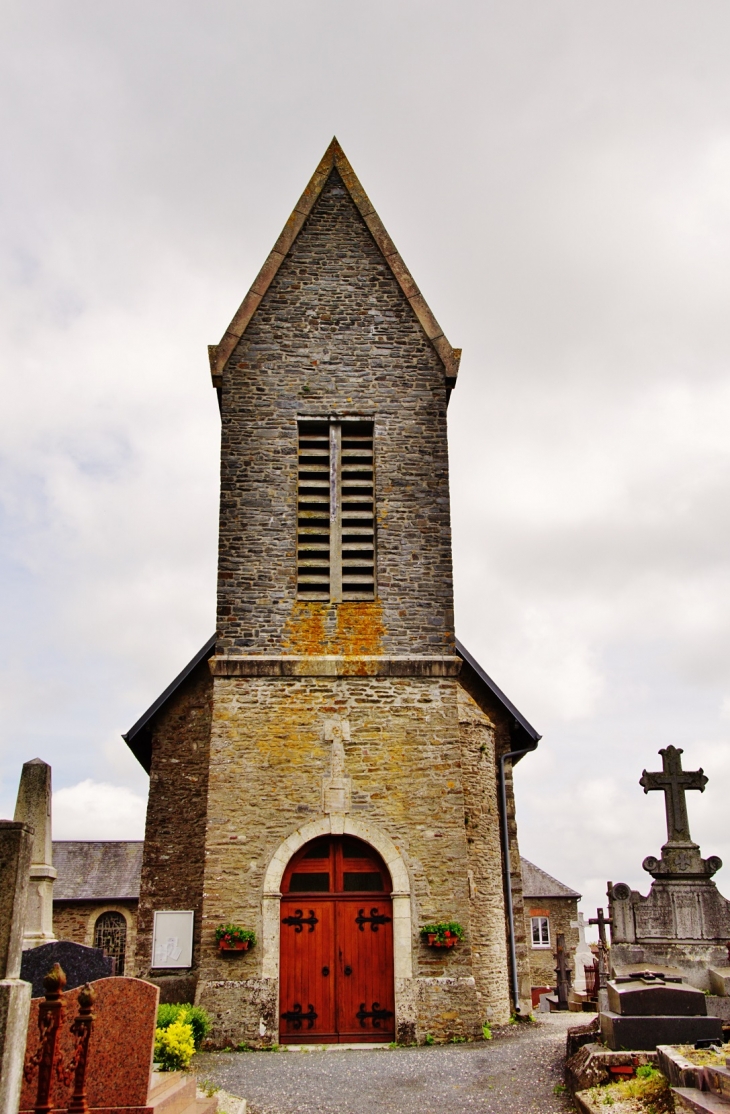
[(80, 964), (649, 997), (619, 1031), (120, 1049), (719, 980)]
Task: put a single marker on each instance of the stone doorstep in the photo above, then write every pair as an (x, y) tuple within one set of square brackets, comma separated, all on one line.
[(227, 1103), (688, 1100), (175, 1093), (364, 1047)]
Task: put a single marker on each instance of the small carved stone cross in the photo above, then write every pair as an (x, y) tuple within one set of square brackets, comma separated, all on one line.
[(674, 782)]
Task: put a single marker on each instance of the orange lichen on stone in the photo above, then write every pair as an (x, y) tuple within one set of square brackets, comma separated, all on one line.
[(347, 629)]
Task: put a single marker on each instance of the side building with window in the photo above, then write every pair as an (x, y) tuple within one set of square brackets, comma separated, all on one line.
[(550, 907), (333, 769), (95, 895)]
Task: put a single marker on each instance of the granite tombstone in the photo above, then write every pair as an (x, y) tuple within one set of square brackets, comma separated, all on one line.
[(120, 1048), (80, 964), (648, 1010)]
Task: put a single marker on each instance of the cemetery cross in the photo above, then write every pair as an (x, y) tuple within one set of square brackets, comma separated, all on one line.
[(601, 921), (674, 782)]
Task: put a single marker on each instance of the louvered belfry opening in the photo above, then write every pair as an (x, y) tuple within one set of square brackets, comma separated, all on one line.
[(336, 510)]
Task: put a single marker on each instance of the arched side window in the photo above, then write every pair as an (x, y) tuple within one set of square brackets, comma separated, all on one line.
[(110, 933)]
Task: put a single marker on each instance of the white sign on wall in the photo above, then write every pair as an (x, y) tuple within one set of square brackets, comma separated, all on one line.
[(172, 939)]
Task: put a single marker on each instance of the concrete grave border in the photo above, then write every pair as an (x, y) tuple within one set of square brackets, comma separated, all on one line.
[(401, 893)]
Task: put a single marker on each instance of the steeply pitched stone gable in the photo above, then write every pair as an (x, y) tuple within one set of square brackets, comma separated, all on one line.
[(334, 335)]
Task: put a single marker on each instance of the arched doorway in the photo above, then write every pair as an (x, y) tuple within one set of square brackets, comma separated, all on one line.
[(336, 970)]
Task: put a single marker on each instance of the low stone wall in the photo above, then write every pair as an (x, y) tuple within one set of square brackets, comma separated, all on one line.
[(246, 1011)]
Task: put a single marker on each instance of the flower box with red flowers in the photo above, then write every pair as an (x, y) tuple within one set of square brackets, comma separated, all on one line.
[(443, 934), (234, 938)]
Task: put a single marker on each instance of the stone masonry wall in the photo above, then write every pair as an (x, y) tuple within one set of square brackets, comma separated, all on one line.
[(502, 742), (486, 886), (174, 849), (561, 911), (268, 759), (334, 335), (76, 920)]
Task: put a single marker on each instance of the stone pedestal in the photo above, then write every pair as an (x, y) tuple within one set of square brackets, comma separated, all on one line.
[(15, 853), (647, 1032), (645, 1012), (583, 955), (14, 1013), (33, 807)]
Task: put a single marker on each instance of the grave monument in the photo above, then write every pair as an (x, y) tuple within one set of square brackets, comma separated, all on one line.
[(683, 925), (16, 841), (33, 807), (583, 956)]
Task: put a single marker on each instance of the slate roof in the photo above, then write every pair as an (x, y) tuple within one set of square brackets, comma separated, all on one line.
[(538, 883), (91, 870)]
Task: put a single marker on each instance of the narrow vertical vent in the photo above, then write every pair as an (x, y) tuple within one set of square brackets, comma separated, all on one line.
[(358, 525), (313, 512), (336, 511)]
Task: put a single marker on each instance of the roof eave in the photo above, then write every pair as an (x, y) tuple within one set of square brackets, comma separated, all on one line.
[(136, 738), (521, 723)]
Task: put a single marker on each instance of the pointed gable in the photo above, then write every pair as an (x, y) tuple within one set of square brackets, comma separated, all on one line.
[(334, 162)]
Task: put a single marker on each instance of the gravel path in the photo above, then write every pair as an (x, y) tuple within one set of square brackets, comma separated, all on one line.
[(513, 1074)]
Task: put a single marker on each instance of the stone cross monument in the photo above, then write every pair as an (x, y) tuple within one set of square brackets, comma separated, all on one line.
[(16, 842), (583, 955), (33, 807), (684, 922)]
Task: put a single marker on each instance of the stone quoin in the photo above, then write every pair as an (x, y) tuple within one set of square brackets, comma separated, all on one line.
[(333, 742)]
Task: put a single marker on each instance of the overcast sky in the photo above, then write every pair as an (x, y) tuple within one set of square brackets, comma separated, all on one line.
[(557, 177)]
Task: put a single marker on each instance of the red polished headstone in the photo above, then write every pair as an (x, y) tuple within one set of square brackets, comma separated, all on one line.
[(120, 1050)]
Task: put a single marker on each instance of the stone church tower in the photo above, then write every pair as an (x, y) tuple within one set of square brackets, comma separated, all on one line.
[(328, 770)]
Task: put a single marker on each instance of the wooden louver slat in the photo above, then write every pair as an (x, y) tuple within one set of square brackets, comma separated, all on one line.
[(336, 525)]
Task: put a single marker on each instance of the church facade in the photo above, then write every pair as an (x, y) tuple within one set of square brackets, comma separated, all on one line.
[(333, 769)]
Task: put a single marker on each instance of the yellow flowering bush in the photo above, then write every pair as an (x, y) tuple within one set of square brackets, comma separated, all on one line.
[(174, 1045)]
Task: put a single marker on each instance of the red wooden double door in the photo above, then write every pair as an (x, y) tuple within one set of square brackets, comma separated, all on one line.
[(336, 971)]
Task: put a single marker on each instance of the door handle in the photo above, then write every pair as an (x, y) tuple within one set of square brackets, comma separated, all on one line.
[(348, 970), (325, 971)]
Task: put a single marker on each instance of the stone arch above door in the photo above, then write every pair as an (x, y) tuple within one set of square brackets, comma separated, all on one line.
[(383, 844)]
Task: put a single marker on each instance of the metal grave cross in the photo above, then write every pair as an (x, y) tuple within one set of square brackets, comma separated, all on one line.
[(674, 782)]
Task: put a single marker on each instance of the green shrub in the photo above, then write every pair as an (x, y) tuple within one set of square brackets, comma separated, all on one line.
[(174, 1045), (196, 1018), (487, 1031), (430, 1038)]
